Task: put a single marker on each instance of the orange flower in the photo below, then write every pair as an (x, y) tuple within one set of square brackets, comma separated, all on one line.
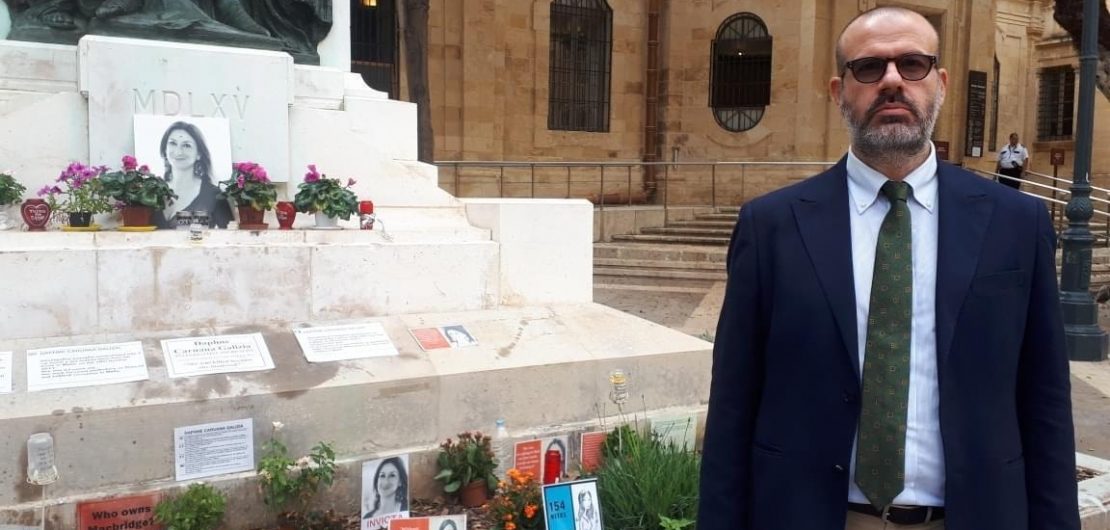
[(530, 511), (510, 526), (508, 517)]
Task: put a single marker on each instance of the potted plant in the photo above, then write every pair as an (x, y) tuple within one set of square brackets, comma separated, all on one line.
[(79, 192), (11, 194), (467, 467), (326, 197), (252, 192), (517, 505), (201, 507), (138, 190), (287, 483)]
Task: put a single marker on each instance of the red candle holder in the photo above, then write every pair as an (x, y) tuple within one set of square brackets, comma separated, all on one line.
[(286, 212)]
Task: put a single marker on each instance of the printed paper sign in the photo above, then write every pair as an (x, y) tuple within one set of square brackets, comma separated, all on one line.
[(443, 522), (216, 355), (592, 443), (557, 443), (453, 336), (121, 512), (339, 343), (385, 492), (213, 449), (74, 366), (572, 505), (679, 431), (5, 372), (526, 458)]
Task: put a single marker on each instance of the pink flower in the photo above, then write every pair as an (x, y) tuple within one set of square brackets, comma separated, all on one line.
[(144, 168), (129, 163), (44, 191), (312, 175), (241, 180), (351, 182)]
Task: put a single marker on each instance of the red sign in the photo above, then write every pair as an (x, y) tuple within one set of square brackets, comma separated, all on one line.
[(526, 458), (942, 150), (123, 513), (591, 449), (416, 523), (1057, 157)]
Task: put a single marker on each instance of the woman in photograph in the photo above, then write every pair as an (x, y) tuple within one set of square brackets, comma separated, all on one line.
[(458, 337), (448, 525), (587, 518), (189, 172), (391, 488)]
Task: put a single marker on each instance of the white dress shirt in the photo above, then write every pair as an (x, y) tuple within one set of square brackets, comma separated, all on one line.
[(1012, 154), (924, 449)]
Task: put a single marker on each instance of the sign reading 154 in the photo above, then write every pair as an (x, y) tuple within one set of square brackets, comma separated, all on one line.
[(557, 506), (572, 506)]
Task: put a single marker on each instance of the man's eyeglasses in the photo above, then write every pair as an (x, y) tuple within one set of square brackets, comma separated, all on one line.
[(911, 66)]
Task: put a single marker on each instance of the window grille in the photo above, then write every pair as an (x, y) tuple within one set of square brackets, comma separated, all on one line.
[(1056, 103), (374, 43), (581, 52), (740, 76)]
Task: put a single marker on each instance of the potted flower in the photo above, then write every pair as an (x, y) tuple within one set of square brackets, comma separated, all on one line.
[(11, 194), (79, 192), (252, 192), (467, 467), (139, 191), (326, 197), (518, 505)]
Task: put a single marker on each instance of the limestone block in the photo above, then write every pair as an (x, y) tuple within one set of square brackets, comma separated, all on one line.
[(33, 154), (48, 293)]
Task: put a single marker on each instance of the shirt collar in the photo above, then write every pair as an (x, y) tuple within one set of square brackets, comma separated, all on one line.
[(864, 182)]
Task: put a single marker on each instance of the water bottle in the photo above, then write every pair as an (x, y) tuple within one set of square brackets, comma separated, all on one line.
[(503, 446)]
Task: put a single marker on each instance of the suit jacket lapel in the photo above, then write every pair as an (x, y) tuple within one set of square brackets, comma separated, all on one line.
[(823, 222), (962, 226)]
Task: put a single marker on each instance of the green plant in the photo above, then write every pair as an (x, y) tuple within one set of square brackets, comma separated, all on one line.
[(135, 185), (283, 480), (620, 441), (468, 460), (666, 523), (77, 189), (11, 191), (200, 508), (517, 505), (249, 185), (318, 193), (646, 481)]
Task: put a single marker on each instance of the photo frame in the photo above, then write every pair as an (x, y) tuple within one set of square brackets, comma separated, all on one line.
[(572, 505)]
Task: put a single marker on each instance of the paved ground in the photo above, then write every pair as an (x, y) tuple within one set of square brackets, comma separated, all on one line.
[(694, 311)]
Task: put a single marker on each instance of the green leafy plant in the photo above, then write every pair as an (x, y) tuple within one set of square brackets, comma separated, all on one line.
[(249, 185), (643, 481), (11, 191), (201, 507), (283, 480), (135, 185), (469, 459), (329, 196), (517, 504), (666, 523), (78, 189)]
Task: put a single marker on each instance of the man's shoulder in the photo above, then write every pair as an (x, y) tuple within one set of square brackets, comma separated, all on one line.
[(813, 186)]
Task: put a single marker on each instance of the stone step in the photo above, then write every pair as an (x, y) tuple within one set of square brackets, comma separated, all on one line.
[(656, 252), (714, 266), (678, 240), (727, 225), (716, 217), (687, 231), (605, 274), (734, 210)]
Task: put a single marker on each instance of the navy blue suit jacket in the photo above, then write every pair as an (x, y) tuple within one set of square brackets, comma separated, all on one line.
[(785, 396)]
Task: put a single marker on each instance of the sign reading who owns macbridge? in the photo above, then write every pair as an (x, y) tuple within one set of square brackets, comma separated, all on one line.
[(125, 77)]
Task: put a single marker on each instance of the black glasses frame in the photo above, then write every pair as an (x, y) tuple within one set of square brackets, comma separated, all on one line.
[(898, 65)]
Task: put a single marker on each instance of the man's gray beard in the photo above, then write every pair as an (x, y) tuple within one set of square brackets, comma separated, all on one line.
[(891, 143)]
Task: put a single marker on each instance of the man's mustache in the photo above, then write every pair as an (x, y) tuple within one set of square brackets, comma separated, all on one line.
[(893, 97)]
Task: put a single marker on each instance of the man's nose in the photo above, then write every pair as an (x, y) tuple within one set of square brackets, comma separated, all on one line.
[(891, 78)]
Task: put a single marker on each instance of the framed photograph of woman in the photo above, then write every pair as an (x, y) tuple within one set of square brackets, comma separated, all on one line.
[(385, 491), (193, 155)]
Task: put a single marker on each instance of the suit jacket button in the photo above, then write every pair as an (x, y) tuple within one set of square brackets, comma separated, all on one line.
[(838, 468)]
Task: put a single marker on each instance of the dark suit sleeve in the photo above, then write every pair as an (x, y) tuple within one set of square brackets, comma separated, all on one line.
[(1044, 396), (725, 491)]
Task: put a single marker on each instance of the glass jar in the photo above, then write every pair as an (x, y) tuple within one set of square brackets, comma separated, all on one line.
[(183, 219)]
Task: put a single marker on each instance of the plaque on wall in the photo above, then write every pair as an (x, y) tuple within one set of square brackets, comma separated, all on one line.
[(976, 113)]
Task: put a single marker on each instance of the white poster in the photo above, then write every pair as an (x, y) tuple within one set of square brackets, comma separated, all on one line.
[(679, 431), (213, 449), (193, 155), (338, 343), (385, 491), (219, 354), (73, 366), (5, 372)]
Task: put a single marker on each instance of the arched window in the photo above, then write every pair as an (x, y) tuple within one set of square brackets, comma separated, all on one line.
[(740, 77), (581, 51)]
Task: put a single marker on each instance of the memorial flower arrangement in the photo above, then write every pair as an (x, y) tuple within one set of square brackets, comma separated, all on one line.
[(135, 185), (284, 481), (201, 507), (11, 191), (249, 185), (320, 194), (466, 467), (517, 505), (77, 190)]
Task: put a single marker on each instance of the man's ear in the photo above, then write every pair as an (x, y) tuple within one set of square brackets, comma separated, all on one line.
[(836, 84)]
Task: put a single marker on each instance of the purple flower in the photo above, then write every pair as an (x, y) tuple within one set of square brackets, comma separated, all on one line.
[(351, 182), (241, 180), (312, 175), (44, 191), (144, 168), (129, 163)]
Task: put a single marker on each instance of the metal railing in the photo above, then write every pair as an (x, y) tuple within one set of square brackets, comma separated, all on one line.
[(1056, 193)]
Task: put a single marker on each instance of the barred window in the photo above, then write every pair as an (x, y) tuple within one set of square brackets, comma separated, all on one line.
[(740, 76), (374, 43), (581, 51), (1056, 104), (994, 105)]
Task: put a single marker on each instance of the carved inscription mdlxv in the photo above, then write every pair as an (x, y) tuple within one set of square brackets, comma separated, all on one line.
[(172, 103)]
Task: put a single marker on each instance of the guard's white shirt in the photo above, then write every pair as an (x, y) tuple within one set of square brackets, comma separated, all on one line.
[(1011, 155), (924, 448)]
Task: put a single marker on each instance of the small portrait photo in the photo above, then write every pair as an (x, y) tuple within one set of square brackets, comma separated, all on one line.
[(385, 491), (587, 515), (458, 336), (449, 522), (192, 155)]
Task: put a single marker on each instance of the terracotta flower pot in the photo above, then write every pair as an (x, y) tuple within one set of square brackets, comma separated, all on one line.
[(137, 215), (80, 219), (286, 213), (251, 218), (36, 213), (474, 494)]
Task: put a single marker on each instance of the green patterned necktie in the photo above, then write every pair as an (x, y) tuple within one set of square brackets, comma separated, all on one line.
[(881, 453)]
